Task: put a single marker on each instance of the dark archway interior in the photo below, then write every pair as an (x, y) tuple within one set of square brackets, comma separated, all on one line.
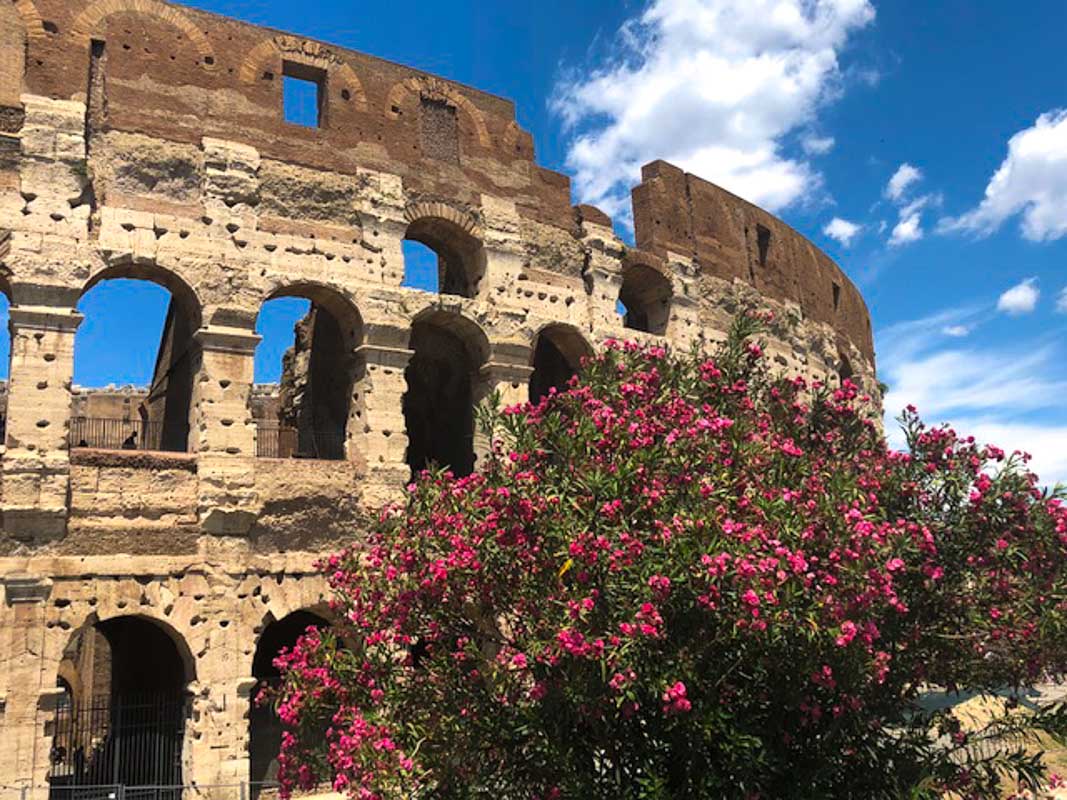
[(460, 259), (316, 388), (124, 719), (646, 295), (555, 361), (439, 402), (264, 727)]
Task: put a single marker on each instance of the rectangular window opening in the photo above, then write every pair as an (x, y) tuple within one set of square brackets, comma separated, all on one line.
[(837, 296), (303, 94)]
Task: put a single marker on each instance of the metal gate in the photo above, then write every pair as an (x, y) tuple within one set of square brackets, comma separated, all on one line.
[(129, 743)]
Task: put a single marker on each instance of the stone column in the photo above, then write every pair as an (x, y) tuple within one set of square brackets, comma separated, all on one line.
[(223, 430), (508, 373), (29, 697), (36, 464), (377, 429)]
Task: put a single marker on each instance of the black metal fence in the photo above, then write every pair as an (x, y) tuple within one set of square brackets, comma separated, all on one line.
[(133, 741), (280, 441), (128, 434)]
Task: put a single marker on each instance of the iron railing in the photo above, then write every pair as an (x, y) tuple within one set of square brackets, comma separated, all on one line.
[(128, 434), (280, 441), (128, 740)]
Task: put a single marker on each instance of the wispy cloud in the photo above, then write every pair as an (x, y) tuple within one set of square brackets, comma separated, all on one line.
[(817, 145), (1020, 299), (904, 178), (1005, 395), (715, 86), (1061, 301)]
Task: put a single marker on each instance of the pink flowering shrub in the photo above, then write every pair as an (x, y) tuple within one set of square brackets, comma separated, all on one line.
[(682, 578)]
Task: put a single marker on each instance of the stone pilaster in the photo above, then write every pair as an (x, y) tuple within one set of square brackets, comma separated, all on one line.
[(28, 701), (223, 430), (36, 464), (508, 374), (376, 427)]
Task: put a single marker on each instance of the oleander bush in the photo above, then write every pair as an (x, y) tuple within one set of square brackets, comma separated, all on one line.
[(683, 577)]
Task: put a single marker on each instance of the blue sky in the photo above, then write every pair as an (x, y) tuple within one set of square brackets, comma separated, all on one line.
[(920, 143)]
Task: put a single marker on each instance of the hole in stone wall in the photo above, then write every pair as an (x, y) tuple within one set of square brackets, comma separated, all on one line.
[(645, 299), (763, 241), (303, 95), (123, 684), (459, 256), (134, 362), (439, 402), (420, 267), (304, 374), (837, 296), (264, 727)]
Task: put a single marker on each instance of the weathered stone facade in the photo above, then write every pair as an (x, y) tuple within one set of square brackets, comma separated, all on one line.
[(142, 139)]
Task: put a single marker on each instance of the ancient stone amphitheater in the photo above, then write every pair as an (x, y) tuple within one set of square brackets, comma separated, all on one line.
[(158, 545)]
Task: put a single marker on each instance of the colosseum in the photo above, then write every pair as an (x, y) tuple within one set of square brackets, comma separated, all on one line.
[(158, 543)]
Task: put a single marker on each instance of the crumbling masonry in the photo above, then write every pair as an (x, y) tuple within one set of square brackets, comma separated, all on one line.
[(141, 139)]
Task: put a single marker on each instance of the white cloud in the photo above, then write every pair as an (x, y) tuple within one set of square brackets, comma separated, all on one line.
[(1031, 181), (905, 177), (714, 86), (817, 145), (1061, 301), (1020, 299), (908, 230), (1010, 397), (842, 231), (956, 331)]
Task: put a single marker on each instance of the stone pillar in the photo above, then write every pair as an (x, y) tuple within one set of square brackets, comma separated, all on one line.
[(223, 430), (36, 465), (604, 297), (377, 429), (508, 373), (29, 697)]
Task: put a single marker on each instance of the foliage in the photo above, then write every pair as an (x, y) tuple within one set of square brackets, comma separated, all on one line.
[(683, 577)]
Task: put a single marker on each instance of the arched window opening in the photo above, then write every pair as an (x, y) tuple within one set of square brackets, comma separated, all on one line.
[(264, 727), (645, 298), (121, 716), (460, 257), (557, 357), (421, 267), (439, 402), (304, 372), (134, 361)]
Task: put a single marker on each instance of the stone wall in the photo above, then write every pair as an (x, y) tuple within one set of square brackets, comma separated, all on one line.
[(142, 139)]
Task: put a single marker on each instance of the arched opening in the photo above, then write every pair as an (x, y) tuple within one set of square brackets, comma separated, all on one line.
[(459, 256), (135, 355), (264, 727), (441, 382), (645, 298), (304, 372), (557, 357), (120, 717)]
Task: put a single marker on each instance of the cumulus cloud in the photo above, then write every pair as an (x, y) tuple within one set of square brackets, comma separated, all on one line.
[(1020, 299), (714, 86), (908, 230), (1031, 181), (904, 178), (817, 145), (1008, 396), (842, 231)]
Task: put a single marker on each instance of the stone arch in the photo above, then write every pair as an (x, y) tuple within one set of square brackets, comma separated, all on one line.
[(455, 236), (126, 680), (315, 404), (556, 356), (160, 419), (646, 293), (435, 89), (89, 21), (31, 18), (443, 382), (267, 55)]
